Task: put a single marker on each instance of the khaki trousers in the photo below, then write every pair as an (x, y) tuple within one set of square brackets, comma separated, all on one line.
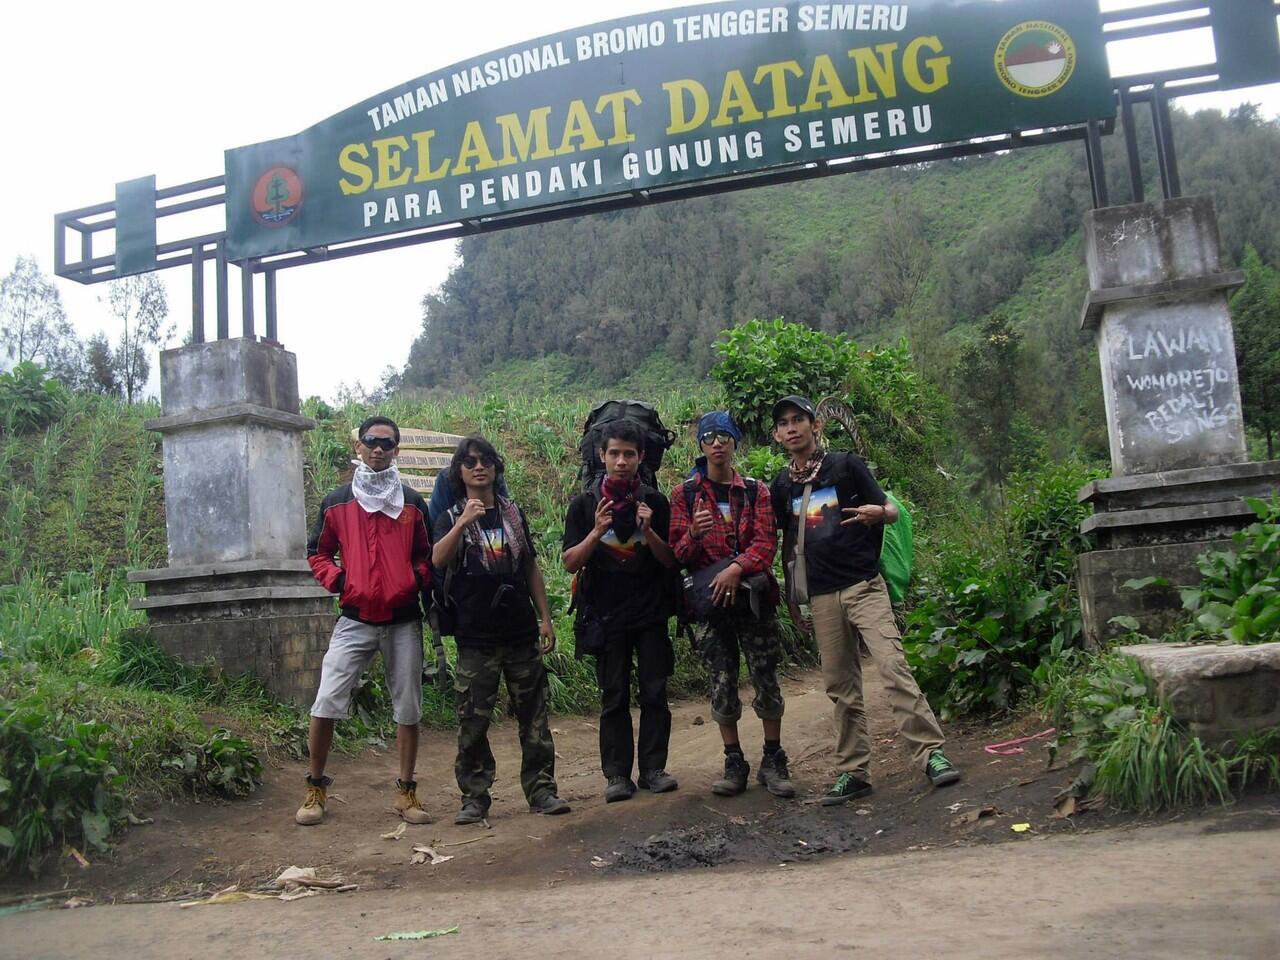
[(850, 624)]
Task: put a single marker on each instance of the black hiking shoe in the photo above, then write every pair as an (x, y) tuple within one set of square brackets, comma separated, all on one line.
[(774, 775), (619, 788), (472, 811), (549, 804), (736, 772), (941, 771), (846, 788), (657, 781)]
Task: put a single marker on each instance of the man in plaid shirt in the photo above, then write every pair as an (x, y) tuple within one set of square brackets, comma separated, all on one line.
[(718, 515)]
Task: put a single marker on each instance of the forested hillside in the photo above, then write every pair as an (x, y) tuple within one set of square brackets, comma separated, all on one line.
[(927, 252)]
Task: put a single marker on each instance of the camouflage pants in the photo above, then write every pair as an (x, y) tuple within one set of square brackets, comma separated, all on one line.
[(720, 643), (476, 686)]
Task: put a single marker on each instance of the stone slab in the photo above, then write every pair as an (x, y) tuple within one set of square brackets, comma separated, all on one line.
[(1219, 691), (1168, 487), (1097, 301), (1186, 513), (231, 413), (232, 596), (220, 569)]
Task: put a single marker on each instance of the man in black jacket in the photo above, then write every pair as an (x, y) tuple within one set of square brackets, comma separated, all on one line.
[(615, 539), (833, 502)]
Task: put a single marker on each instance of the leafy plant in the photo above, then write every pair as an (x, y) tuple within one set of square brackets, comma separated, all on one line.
[(1238, 597), (28, 400), (223, 763), (994, 618), (58, 783)]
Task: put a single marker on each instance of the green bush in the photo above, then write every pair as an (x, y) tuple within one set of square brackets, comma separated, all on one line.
[(29, 401), (992, 618), (1238, 597), (762, 361)]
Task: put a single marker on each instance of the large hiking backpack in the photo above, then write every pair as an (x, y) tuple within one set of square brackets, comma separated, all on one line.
[(658, 439)]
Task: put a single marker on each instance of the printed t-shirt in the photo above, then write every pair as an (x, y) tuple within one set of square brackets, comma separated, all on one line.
[(835, 556), (484, 571), (625, 585)]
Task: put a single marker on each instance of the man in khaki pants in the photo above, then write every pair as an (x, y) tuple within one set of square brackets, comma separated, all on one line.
[(830, 502)]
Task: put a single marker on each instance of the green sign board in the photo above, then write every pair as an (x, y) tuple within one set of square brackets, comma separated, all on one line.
[(674, 97)]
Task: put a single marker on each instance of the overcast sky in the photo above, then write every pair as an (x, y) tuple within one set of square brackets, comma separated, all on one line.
[(96, 93)]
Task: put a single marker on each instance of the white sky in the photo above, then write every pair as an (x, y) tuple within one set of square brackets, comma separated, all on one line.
[(93, 93)]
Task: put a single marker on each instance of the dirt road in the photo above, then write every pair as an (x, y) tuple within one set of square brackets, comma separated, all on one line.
[(1173, 891), (906, 872)]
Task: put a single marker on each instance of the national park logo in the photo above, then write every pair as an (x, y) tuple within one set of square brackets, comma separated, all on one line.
[(1036, 58), (277, 197)]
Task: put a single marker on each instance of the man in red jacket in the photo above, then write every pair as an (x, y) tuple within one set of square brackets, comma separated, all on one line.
[(376, 527)]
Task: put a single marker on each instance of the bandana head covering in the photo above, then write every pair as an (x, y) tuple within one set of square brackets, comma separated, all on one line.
[(718, 420), (378, 491)]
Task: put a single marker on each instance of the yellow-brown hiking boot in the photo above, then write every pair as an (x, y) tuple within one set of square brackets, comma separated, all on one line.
[(312, 810), (407, 804)]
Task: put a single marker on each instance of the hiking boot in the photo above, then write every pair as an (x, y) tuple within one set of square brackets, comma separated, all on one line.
[(736, 771), (941, 771), (549, 804), (312, 810), (658, 781), (846, 788), (774, 775), (472, 811), (619, 788), (407, 804)]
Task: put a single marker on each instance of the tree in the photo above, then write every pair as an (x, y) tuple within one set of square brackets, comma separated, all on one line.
[(986, 384), (33, 323), (99, 371), (139, 303), (1255, 310)]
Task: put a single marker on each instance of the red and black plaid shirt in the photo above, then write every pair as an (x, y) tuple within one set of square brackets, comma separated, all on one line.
[(752, 538)]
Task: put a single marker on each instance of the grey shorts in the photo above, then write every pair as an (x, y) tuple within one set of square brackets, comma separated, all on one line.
[(352, 647)]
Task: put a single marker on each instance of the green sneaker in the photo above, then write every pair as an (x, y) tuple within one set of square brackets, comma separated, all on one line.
[(846, 788), (941, 771)]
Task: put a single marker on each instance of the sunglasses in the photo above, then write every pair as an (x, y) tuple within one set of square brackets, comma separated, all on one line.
[(474, 461), (711, 436), (380, 443)]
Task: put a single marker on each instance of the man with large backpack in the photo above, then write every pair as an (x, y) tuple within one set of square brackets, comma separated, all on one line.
[(832, 514), (615, 541), (722, 529)]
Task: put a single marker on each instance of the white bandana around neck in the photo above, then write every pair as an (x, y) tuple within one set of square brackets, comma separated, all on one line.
[(378, 490)]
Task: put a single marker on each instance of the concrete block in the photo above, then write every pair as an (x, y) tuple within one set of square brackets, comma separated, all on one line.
[(1147, 243), (203, 376)]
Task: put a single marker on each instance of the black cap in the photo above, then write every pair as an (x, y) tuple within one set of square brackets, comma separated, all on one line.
[(800, 403)]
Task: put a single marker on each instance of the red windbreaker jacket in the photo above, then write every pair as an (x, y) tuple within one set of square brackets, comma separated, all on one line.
[(385, 563)]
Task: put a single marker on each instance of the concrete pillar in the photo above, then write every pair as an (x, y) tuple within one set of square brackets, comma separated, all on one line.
[(237, 590), (1159, 307)]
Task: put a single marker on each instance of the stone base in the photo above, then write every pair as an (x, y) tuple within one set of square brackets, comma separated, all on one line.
[(1101, 577), (1219, 692), (1156, 525), (267, 619)]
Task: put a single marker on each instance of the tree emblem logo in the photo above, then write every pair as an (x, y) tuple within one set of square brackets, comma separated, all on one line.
[(1036, 58), (277, 197)]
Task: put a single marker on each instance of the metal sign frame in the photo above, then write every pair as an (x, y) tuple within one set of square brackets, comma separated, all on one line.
[(80, 263)]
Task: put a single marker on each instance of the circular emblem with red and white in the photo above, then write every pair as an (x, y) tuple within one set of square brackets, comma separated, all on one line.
[(1036, 58), (277, 196)]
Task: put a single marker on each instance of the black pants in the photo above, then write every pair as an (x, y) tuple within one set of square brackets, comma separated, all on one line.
[(652, 650)]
